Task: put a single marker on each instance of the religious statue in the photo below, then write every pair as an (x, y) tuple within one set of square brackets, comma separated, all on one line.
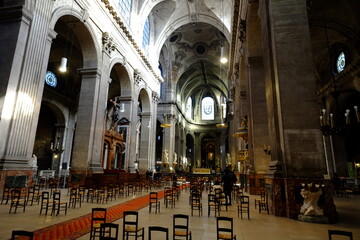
[(165, 156), (175, 158), (113, 115), (33, 162), (310, 207), (228, 159), (198, 163)]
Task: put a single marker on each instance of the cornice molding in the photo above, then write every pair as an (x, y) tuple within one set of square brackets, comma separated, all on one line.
[(130, 38)]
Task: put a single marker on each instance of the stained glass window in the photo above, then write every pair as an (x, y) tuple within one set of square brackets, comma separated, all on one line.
[(146, 34), (340, 63), (207, 107), (188, 108), (125, 9)]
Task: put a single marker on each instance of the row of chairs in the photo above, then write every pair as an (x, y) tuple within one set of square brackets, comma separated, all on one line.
[(131, 226), (109, 231)]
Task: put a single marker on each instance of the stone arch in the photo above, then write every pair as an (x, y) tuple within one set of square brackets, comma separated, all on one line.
[(83, 31), (123, 72), (144, 96)]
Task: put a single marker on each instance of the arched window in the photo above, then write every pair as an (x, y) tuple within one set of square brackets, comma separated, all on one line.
[(223, 107), (207, 108), (125, 9), (146, 34), (188, 108)]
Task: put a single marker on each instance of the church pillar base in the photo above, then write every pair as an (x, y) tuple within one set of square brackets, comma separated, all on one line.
[(285, 199), (78, 177), (16, 178)]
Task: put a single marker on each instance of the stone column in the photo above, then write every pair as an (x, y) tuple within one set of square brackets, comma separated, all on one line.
[(83, 153), (68, 136), (197, 148), (292, 108), (169, 138), (24, 54), (144, 142), (289, 78), (100, 102), (152, 130), (258, 128), (129, 153)]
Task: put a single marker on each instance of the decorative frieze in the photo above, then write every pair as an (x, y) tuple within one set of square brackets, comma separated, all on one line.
[(108, 43), (130, 38), (242, 31), (155, 96), (137, 77)]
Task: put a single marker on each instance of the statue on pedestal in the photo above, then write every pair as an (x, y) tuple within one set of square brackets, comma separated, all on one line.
[(310, 207), (175, 159), (310, 211), (33, 162), (228, 159), (165, 157)]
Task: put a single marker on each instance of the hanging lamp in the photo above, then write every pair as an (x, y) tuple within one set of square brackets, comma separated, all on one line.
[(166, 124)]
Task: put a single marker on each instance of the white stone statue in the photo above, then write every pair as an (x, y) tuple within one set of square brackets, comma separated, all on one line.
[(165, 156), (175, 158), (310, 207), (33, 162), (228, 159)]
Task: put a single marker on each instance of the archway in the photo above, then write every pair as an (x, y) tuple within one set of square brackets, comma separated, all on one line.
[(208, 152)]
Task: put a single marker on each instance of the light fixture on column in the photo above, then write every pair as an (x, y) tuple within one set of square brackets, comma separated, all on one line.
[(222, 116), (149, 125), (223, 58), (63, 65), (166, 124), (55, 147), (64, 59), (122, 107)]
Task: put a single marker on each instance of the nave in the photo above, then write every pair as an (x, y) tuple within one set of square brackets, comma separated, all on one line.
[(260, 226)]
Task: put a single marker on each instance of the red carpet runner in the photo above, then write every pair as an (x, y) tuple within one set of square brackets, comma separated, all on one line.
[(77, 227)]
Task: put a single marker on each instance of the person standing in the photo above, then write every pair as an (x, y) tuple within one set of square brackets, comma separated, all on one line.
[(228, 179)]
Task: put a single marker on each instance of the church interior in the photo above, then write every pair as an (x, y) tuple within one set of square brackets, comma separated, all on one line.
[(99, 93)]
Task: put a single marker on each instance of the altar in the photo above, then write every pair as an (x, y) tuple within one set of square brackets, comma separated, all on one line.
[(201, 170)]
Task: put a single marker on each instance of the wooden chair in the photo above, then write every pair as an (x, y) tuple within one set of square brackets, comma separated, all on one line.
[(75, 198), (244, 206), (109, 231), (22, 234), (340, 233), (212, 204), (153, 229), (130, 188), (98, 216), (17, 200), (91, 195), (220, 198), (169, 197), (224, 228), (45, 202), (154, 201), (6, 195), (262, 198), (131, 225), (264, 203), (196, 203), (57, 204), (181, 227)]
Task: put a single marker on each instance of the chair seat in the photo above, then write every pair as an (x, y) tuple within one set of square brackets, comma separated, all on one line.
[(226, 236), (96, 225), (181, 233), (132, 229)]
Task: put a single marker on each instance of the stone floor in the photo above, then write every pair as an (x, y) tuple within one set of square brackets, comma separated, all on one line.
[(260, 225)]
